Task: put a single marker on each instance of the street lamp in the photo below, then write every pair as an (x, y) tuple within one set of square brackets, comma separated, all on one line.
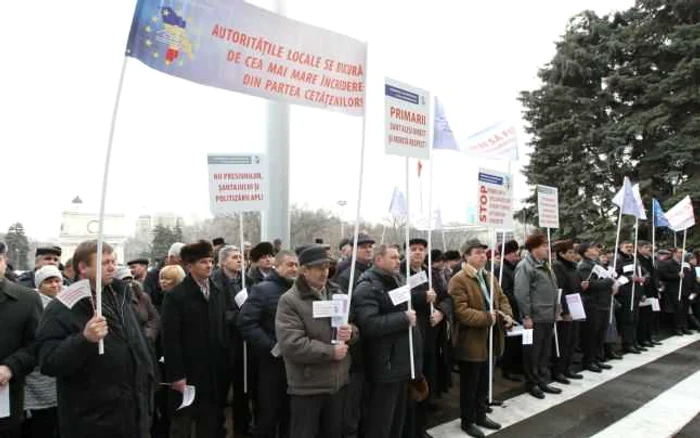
[(342, 205)]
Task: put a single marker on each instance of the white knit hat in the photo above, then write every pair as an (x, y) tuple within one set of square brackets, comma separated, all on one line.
[(123, 272), (45, 273)]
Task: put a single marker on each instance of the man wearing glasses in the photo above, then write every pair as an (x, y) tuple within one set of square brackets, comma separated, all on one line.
[(50, 255)]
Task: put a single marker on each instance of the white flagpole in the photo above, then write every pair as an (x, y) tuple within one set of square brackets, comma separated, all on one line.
[(408, 272), (653, 235), (680, 284), (617, 244), (444, 241), (556, 331), (381, 242), (503, 257), (549, 241), (430, 232), (105, 179), (351, 286), (493, 246), (245, 344), (634, 265)]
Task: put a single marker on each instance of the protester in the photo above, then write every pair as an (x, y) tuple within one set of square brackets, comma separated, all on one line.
[(628, 312), (40, 399), (536, 292), (105, 395), (20, 309), (171, 276), (568, 330), (384, 329), (440, 382), (196, 345), (262, 257), (47, 255), (152, 283), (471, 292), (68, 272), (316, 361), (512, 360), (364, 261), (139, 269), (146, 314), (256, 323), (649, 291)]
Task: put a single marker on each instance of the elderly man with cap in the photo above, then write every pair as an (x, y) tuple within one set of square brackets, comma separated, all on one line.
[(364, 261), (565, 268), (596, 290), (40, 399), (139, 269), (317, 364), (46, 255), (20, 309), (536, 291), (512, 360), (196, 344), (262, 257), (384, 326), (256, 323), (345, 248), (472, 297)]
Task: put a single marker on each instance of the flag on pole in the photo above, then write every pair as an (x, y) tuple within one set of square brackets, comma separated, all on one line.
[(443, 137), (397, 207), (640, 203), (659, 215), (681, 216), (421, 223), (626, 200)]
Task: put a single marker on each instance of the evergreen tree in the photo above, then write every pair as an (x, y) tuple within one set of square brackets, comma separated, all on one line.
[(17, 247)]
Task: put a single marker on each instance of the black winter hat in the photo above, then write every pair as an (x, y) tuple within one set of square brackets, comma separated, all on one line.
[(196, 251), (261, 250)]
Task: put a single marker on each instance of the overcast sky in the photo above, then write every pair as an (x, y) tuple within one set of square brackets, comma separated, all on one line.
[(60, 71)]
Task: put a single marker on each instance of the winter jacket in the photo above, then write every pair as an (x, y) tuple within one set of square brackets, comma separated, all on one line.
[(507, 285), (472, 318), (106, 396), (256, 320), (651, 287), (536, 290), (305, 343), (40, 390), (626, 268), (384, 329), (599, 292), (343, 277), (568, 280), (20, 310)]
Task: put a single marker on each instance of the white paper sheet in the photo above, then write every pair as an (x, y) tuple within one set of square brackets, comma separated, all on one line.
[(323, 309), (187, 396), (527, 336), (515, 331), (655, 305), (341, 303), (5, 401), (576, 309), (623, 280), (400, 295), (627, 269), (241, 297), (417, 279)]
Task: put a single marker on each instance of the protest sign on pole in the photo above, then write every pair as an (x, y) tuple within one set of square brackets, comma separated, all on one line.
[(237, 182), (407, 110), (240, 47), (548, 206), (495, 199)]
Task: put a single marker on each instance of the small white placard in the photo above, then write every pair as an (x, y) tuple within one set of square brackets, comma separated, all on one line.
[(241, 297), (655, 305), (342, 304), (5, 401), (323, 309), (515, 331), (623, 280), (697, 271), (576, 309), (628, 269), (400, 295), (187, 396), (527, 336), (275, 352), (692, 296), (685, 265), (417, 279)]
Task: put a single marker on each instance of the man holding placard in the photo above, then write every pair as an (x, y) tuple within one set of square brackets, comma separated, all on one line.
[(628, 296), (649, 295), (383, 316), (536, 291), (672, 272), (568, 328), (471, 294), (317, 365)]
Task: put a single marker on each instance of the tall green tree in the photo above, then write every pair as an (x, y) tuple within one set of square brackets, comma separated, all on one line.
[(17, 246), (163, 237)]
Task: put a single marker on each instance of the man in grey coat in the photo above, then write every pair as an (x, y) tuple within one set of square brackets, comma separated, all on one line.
[(317, 364), (536, 293)]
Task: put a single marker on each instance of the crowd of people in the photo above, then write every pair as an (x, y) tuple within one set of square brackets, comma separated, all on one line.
[(244, 329)]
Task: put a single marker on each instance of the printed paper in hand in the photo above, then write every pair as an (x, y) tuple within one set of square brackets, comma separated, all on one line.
[(187, 396), (600, 272), (515, 331), (613, 273), (685, 265), (527, 336), (342, 304), (241, 297), (276, 351), (628, 269), (623, 280), (74, 293), (5, 401), (400, 295), (697, 271), (417, 279), (655, 306), (576, 307), (323, 309)]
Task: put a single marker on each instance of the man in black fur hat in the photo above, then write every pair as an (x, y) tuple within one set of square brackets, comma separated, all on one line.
[(195, 344), (262, 257)]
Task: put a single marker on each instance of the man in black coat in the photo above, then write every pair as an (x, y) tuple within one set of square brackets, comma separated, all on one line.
[(628, 313), (649, 290), (256, 323), (49, 255), (20, 309), (363, 262), (109, 395), (196, 344), (512, 360), (672, 272), (384, 327)]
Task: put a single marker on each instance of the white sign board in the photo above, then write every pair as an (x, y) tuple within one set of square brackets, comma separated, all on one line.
[(548, 206), (238, 183), (495, 199), (407, 114)]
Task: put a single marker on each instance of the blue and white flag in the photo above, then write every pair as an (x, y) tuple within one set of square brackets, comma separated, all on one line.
[(659, 215), (397, 207), (443, 137)]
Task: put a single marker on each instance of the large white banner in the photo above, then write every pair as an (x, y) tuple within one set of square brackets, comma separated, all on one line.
[(238, 183), (240, 47), (407, 112), (495, 201), (681, 216), (497, 142), (548, 206)]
